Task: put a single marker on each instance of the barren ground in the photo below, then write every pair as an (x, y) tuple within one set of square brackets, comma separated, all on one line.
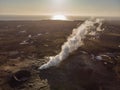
[(25, 44)]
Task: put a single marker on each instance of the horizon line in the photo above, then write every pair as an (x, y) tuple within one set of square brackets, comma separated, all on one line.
[(54, 14)]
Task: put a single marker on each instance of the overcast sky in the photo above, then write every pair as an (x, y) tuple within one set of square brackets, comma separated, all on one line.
[(67, 7)]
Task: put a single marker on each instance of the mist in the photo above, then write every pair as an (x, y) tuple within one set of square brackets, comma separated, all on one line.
[(74, 41)]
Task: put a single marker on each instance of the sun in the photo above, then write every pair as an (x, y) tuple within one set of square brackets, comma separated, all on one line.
[(59, 17)]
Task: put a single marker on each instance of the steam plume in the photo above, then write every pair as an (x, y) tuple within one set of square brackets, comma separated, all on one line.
[(74, 41)]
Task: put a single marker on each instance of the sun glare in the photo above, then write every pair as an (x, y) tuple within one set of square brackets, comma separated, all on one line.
[(59, 17)]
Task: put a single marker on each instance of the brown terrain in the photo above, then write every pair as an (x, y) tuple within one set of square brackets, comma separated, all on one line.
[(25, 45)]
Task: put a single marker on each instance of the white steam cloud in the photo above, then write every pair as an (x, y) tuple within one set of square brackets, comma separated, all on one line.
[(74, 41)]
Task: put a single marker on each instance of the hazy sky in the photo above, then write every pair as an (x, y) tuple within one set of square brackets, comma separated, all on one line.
[(67, 7)]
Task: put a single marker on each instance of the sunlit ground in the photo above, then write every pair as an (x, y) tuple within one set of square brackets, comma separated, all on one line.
[(59, 17)]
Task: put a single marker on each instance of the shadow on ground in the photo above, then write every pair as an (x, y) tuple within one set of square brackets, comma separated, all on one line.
[(80, 72)]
